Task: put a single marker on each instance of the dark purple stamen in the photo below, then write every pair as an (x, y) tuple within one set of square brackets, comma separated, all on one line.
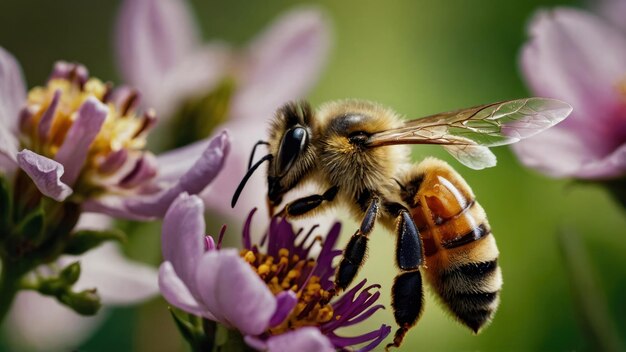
[(144, 169), (247, 241), (307, 235)]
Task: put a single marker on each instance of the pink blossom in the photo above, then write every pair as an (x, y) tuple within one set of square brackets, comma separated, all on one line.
[(103, 149), (241, 291), (578, 57)]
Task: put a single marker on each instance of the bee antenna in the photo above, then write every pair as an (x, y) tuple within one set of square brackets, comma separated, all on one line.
[(246, 177), (254, 150)]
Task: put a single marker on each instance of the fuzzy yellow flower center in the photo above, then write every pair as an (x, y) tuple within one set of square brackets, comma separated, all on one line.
[(51, 111), (119, 130), (284, 273)]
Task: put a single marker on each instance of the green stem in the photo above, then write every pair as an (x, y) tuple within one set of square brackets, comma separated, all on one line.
[(9, 285)]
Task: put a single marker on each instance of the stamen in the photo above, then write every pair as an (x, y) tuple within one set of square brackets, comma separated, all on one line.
[(318, 239), (301, 244), (209, 244), (149, 120), (130, 102)]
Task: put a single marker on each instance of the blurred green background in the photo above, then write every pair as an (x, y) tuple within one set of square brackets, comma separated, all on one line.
[(419, 57)]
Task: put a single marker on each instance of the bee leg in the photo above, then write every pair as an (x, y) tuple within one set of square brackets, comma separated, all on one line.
[(354, 254), (407, 292), (303, 205)]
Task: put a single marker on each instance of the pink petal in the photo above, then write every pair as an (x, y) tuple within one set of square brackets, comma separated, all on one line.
[(610, 166), (151, 37), (144, 169), (46, 173), (73, 152), (285, 302), (76, 73), (40, 323), (218, 195), (48, 116), (112, 205), (282, 63), (306, 339), (233, 291), (560, 153), (12, 97), (114, 161), (177, 293), (255, 342), (175, 163), (182, 240), (194, 75), (12, 91), (8, 149), (193, 181), (614, 10), (576, 57)]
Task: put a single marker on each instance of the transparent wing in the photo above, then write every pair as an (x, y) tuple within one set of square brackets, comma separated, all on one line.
[(480, 126), (473, 156)]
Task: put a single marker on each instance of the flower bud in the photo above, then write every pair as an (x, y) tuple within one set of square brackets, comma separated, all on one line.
[(86, 302), (70, 274)]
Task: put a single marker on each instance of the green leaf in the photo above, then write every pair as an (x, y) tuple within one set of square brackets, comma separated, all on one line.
[(86, 302), (70, 273), (85, 240), (185, 327), (617, 188), (192, 330), (5, 207), (52, 286), (60, 284), (32, 226)]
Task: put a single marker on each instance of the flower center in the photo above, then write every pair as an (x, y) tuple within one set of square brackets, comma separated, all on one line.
[(53, 109), (290, 272)]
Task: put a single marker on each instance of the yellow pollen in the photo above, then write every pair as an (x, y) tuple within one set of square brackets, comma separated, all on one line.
[(120, 130), (263, 269), (250, 257), (312, 308)]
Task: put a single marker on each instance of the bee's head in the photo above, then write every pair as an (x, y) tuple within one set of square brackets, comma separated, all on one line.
[(290, 144), (290, 155)]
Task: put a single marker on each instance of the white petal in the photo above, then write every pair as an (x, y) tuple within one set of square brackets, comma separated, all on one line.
[(119, 280), (40, 323)]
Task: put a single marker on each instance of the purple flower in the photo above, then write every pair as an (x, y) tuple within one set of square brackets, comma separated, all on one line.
[(79, 139), (160, 52), (273, 293), (580, 58), (38, 322)]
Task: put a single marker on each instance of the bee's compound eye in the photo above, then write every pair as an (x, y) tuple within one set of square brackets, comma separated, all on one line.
[(358, 137), (293, 143)]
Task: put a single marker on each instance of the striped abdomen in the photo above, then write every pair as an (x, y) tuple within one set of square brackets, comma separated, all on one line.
[(461, 253)]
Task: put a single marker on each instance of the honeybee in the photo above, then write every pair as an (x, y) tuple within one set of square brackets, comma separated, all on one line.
[(357, 153)]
